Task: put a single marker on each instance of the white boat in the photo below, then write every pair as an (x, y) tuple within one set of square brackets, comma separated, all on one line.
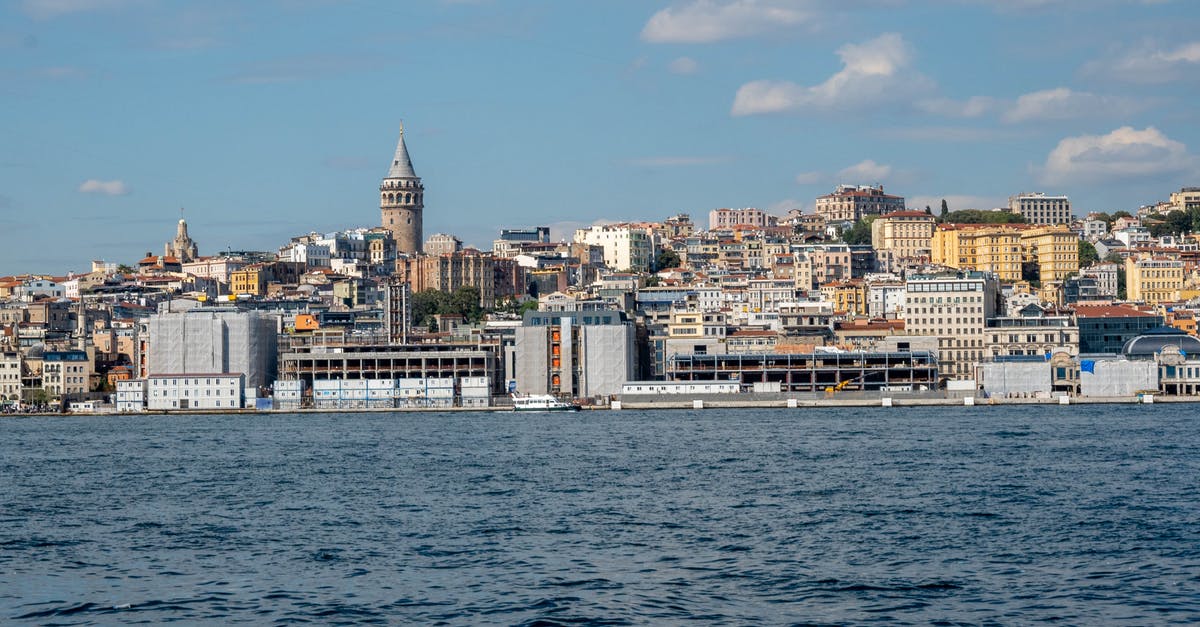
[(541, 402)]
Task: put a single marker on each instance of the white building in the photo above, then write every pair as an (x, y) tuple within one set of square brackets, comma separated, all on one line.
[(32, 289), (625, 247), (131, 396), (1039, 208), (728, 218), (1133, 236), (954, 308), (885, 300), (65, 374), (10, 377), (310, 254), (166, 392)]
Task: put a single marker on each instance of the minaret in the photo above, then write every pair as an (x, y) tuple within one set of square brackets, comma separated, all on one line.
[(401, 199)]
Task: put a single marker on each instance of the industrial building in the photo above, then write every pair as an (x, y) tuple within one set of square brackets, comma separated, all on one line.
[(813, 372)]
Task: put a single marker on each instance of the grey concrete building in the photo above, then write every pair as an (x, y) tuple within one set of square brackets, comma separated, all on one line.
[(213, 340), (577, 354)]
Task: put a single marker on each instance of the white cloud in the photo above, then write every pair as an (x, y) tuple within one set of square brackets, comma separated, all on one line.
[(1125, 153), (684, 65), (972, 107), (1151, 64), (47, 9), (666, 162), (788, 204), (706, 21), (108, 188), (955, 202), (1062, 103), (866, 171), (873, 72), (811, 178)]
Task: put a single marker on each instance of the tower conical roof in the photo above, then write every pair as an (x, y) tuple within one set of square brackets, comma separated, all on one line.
[(402, 167)]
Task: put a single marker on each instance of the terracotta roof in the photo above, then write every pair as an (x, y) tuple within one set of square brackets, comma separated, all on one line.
[(907, 214)]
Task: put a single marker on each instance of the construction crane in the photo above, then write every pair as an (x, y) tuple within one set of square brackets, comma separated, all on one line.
[(834, 389)]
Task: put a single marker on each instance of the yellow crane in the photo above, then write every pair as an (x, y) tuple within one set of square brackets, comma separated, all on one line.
[(834, 389)]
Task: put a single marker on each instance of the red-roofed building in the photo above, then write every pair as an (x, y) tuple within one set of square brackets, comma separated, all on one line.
[(851, 203)]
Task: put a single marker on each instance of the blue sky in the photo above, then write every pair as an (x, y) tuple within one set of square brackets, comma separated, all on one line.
[(270, 119)]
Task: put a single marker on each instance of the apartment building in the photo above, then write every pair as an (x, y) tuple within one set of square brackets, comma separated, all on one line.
[(851, 203), (954, 308), (1153, 279), (1038, 208)]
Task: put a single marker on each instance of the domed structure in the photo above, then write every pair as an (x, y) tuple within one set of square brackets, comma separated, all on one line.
[(1152, 342)]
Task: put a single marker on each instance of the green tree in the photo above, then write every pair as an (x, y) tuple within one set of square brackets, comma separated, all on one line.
[(125, 269), (667, 258), (945, 209), (975, 216), (860, 233), (425, 304), (1087, 254), (465, 302)]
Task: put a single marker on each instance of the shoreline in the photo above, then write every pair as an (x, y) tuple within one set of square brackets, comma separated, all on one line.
[(687, 403)]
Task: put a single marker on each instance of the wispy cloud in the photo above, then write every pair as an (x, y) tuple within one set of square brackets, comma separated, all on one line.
[(867, 171), (298, 69), (873, 72), (947, 134), (677, 161), (1124, 154), (972, 107), (48, 9), (683, 65), (1150, 63), (107, 188), (1062, 103), (707, 21)]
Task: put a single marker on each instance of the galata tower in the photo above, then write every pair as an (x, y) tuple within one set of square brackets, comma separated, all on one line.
[(401, 199)]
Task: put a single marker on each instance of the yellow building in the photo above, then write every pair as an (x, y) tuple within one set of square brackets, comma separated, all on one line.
[(250, 280), (983, 247), (1003, 248), (849, 297), (1054, 248), (903, 234), (1153, 280)]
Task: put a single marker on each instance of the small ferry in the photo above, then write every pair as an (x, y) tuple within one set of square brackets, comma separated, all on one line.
[(541, 402)]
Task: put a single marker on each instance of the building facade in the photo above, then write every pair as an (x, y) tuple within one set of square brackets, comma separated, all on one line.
[(575, 354), (165, 392), (1153, 279), (729, 218), (213, 340), (626, 247), (902, 235), (1038, 208), (851, 203), (953, 308), (402, 201)]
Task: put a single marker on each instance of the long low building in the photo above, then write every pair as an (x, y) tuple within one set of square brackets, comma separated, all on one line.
[(384, 362), (813, 372)]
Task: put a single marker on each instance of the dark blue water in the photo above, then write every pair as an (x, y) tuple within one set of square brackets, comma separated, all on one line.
[(1077, 515)]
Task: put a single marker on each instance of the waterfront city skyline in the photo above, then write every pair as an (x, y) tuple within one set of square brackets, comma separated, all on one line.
[(267, 121)]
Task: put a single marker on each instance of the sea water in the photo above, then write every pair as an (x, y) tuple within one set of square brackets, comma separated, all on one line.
[(977, 515)]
